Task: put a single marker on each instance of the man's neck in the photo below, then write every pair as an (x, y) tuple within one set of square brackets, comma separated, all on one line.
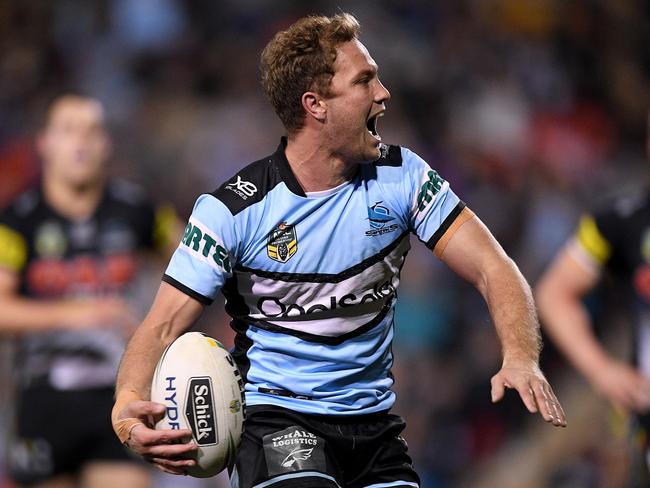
[(314, 165), (73, 202)]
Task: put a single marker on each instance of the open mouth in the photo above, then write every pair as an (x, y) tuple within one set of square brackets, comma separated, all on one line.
[(371, 125)]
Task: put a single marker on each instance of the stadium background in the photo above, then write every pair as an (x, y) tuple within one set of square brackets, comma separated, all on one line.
[(534, 110)]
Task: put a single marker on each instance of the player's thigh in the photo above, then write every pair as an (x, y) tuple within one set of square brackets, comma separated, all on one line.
[(639, 451), (383, 459), (111, 474), (43, 442), (281, 449), (101, 445)]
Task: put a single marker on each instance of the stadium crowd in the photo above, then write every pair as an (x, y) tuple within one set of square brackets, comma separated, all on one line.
[(534, 110)]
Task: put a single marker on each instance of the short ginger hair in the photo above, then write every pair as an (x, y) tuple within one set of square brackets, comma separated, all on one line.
[(301, 59)]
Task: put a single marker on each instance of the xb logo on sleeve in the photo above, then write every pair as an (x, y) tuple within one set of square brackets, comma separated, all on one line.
[(244, 189), (282, 242), (205, 243)]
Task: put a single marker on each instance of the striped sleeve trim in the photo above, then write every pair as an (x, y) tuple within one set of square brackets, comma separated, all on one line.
[(187, 290), (13, 249), (458, 216), (592, 241)]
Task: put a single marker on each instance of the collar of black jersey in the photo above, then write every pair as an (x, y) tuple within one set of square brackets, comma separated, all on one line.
[(389, 155), (281, 162)]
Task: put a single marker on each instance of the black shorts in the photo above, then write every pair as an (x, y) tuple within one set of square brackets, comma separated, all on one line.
[(639, 439), (281, 448), (57, 432)]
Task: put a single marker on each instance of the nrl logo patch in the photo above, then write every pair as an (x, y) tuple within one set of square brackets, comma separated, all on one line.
[(282, 242)]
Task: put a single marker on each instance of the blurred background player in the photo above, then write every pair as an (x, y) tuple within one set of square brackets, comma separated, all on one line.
[(615, 240), (68, 256)]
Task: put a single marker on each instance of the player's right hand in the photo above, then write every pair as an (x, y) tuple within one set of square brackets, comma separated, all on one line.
[(170, 451), (622, 385)]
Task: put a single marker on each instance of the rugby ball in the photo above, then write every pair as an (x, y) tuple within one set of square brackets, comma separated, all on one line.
[(199, 384)]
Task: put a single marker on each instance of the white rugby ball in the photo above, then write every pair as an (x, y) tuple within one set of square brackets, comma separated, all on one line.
[(199, 383)]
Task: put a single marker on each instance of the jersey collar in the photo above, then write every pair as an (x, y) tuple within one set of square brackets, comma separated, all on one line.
[(281, 162)]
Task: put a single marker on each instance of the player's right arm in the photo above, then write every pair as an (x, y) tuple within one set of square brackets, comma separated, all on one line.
[(133, 417), (198, 268), (575, 271)]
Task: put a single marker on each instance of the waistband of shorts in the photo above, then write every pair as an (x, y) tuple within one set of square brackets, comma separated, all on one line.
[(349, 418)]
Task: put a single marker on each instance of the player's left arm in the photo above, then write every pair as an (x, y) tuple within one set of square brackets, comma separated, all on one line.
[(475, 255)]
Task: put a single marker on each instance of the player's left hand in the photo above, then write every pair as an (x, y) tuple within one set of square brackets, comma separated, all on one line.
[(533, 388)]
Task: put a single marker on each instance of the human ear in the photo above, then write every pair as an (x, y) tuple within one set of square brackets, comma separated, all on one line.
[(314, 106)]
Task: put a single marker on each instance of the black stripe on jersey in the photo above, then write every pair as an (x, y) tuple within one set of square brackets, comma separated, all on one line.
[(431, 243), (328, 340), (390, 156), (235, 303), (250, 185), (263, 174), (325, 277), (188, 291), (242, 344)]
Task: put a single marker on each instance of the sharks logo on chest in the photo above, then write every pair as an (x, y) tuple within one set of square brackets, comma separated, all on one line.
[(379, 219), (282, 242)]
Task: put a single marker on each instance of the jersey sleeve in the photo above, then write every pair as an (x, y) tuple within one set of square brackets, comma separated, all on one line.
[(591, 239), (157, 226), (207, 252), (164, 227), (435, 211), (603, 236), (13, 244)]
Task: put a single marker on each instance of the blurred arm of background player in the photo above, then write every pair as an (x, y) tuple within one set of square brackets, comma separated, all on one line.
[(25, 315), (565, 318), (475, 255), (21, 315)]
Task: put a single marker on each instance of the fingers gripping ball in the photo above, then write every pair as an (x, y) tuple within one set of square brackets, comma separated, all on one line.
[(199, 384)]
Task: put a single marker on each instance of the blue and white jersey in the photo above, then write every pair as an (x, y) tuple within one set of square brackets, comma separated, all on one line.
[(310, 280)]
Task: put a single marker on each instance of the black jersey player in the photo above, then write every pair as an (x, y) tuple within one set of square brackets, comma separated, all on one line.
[(614, 240), (68, 256)]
